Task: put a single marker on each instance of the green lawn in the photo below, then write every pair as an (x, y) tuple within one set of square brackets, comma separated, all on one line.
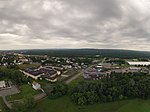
[(136, 106), (3, 107), (25, 90), (65, 105)]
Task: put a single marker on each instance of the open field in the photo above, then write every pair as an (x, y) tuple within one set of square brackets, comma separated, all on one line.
[(65, 105), (25, 90)]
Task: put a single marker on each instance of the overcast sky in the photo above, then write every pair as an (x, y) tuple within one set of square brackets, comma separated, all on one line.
[(37, 24)]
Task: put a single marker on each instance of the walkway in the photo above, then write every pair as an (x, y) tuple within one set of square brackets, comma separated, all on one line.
[(73, 78), (39, 96), (6, 102), (9, 91)]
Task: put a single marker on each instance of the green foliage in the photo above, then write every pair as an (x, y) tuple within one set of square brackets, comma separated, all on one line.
[(15, 75), (13, 67), (118, 87), (56, 90)]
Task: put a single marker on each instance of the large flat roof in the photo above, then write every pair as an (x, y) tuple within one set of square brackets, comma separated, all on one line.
[(139, 63)]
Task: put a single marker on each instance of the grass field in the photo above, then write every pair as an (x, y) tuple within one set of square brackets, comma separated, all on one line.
[(25, 90), (65, 105)]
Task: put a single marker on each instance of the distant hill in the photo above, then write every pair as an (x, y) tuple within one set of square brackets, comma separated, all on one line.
[(88, 52)]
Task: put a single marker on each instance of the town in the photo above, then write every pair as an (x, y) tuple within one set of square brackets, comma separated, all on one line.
[(32, 73)]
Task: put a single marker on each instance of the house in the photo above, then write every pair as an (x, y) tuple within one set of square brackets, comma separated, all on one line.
[(36, 86)]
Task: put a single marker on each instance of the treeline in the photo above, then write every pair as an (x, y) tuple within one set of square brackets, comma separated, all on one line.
[(87, 52), (118, 87)]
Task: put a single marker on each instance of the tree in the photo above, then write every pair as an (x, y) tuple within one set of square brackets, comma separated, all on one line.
[(56, 90), (91, 97), (118, 87)]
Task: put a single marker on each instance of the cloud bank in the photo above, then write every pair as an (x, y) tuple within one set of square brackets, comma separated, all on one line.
[(116, 24)]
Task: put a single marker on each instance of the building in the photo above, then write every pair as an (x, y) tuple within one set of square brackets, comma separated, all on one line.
[(42, 72), (94, 74), (2, 84), (36, 86), (33, 74), (139, 63), (135, 68), (51, 76)]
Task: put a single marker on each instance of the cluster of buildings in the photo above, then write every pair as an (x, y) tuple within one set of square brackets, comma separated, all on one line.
[(93, 73), (13, 60), (46, 72), (104, 70)]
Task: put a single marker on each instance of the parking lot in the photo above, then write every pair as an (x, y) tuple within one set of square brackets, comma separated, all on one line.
[(9, 91)]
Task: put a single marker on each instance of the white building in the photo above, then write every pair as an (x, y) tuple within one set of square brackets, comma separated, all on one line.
[(135, 68), (2, 84), (139, 63), (36, 85)]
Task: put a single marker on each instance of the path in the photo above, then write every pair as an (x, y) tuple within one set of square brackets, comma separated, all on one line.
[(6, 102), (9, 91), (74, 77), (39, 96)]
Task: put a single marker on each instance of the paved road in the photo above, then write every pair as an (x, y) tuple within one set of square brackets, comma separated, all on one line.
[(9, 91), (6, 102)]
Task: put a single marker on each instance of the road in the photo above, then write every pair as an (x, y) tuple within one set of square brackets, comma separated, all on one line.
[(6, 102), (103, 60)]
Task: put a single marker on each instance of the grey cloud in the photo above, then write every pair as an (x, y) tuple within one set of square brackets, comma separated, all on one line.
[(74, 24)]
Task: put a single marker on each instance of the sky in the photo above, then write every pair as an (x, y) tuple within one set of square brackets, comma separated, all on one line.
[(103, 24)]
